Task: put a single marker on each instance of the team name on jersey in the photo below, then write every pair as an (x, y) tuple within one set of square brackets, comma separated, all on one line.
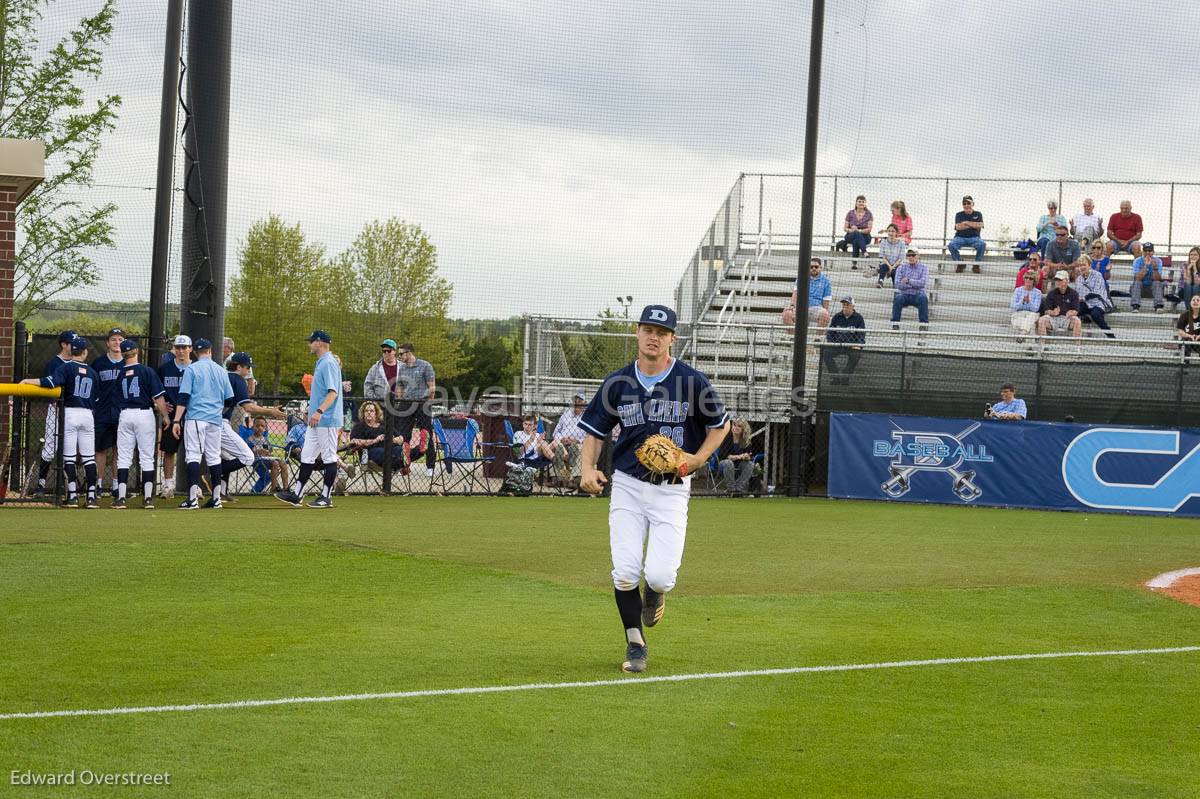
[(171, 382), (109, 374), (654, 410)]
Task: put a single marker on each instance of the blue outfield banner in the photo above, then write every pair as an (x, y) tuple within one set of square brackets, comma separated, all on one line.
[(1014, 464)]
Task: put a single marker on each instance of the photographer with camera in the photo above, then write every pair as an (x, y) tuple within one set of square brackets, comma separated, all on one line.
[(1009, 408)]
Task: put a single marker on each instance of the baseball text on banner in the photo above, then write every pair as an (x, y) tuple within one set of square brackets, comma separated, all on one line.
[(1014, 464)]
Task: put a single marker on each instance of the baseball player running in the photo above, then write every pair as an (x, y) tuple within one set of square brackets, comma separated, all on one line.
[(170, 372), (50, 433), (656, 394), (140, 392), (202, 394), (78, 382), (108, 368), (324, 422), (235, 452)]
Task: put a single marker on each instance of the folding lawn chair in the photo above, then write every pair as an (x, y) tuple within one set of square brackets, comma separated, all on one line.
[(462, 456), (544, 476)]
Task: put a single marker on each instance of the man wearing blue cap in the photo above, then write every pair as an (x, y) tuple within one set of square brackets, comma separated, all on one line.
[(50, 431), (140, 392), (656, 394), (202, 394), (324, 423), (78, 382)]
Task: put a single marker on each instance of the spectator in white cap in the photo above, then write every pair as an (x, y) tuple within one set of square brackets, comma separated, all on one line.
[(844, 340), (1060, 308), (568, 441)]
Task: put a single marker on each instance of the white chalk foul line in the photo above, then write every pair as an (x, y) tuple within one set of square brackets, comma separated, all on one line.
[(1170, 578), (501, 689)]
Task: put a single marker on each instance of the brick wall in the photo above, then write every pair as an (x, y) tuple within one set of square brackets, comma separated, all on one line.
[(8, 228)]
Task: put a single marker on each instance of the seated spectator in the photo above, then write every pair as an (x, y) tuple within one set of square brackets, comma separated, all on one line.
[(1026, 306), (737, 461), (902, 221), (891, 255), (911, 278), (1032, 266), (368, 435), (1087, 227), (820, 295), (271, 470), (1189, 278), (568, 441), (1047, 223), (858, 224), (1100, 259), (530, 446), (1147, 274), (1093, 296), (1009, 408), (847, 335), (294, 441), (1060, 308), (1125, 231), (968, 232), (1187, 327), (1062, 252)]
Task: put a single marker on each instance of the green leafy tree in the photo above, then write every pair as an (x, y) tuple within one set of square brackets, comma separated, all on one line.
[(489, 362), (595, 356), (277, 283), (42, 97), (386, 285)]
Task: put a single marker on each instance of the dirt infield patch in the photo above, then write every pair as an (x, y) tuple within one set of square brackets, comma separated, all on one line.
[(1185, 589)]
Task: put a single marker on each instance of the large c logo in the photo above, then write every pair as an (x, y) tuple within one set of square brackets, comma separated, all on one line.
[(1168, 494)]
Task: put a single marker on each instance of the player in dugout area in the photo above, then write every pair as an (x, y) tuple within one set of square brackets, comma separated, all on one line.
[(139, 393), (655, 394)]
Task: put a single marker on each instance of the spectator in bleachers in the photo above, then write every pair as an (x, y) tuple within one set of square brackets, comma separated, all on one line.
[(1026, 306), (968, 232), (737, 461), (381, 377), (911, 278), (1032, 266), (1009, 408), (1187, 327), (1060, 308), (1100, 259), (820, 297), (1062, 251), (1094, 302), (1047, 223), (848, 330), (271, 470), (891, 255), (1087, 227), (902, 221), (368, 435), (858, 224), (1125, 231), (1147, 274), (568, 441), (1189, 278)]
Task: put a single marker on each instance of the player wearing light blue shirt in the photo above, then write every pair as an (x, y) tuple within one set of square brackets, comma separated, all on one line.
[(324, 422), (202, 394), (327, 379), (203, 390)]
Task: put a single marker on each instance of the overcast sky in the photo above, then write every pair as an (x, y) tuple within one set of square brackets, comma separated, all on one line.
[(561, 154)]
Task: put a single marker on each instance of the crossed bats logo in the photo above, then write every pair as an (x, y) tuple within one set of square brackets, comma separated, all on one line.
[(916, 451)]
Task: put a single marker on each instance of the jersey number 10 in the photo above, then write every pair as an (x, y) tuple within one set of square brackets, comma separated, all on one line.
[(83, 387)]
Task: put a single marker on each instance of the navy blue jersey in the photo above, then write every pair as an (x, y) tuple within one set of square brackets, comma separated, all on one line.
[(138, 387), (106, 390), (241, 394), (54, 364), (679, 403), (171, 373), (79, 384)]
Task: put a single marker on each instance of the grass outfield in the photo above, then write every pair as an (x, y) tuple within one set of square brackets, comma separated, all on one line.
[(261, 601)]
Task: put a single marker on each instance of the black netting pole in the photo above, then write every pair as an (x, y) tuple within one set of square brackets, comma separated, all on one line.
[(163, 187), (797, 433)]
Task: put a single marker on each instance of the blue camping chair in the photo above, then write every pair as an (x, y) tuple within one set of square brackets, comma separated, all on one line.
[(539, 464), (462, 456)]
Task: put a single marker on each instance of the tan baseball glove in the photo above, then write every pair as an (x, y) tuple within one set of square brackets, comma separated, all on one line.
[(660, 455)]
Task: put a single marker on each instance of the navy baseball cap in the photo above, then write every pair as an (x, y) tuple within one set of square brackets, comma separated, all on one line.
[(320, 335), (128, 345), (1148, 246), (67, 337), (242, 358), (202, 344), (116, 331), (78, 344), (659, 316)]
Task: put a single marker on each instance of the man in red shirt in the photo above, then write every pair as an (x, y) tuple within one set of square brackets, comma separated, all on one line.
[(1125, 231)]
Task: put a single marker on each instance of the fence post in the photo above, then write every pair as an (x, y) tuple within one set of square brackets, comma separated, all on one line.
[(1060, 205), (833, 236), (1037, 387), (388, 434), (903, 381), (760, 204), (1171, 220), (1179, 389), (945, 217), (16, 455)]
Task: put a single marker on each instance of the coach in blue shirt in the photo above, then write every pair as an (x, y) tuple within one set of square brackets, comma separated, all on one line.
[(1009, 408)]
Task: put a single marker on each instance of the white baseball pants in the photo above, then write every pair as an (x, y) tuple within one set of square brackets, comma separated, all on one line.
[(202, 440), (320, 442), (79, 435), (50, 433), (650, 517), (234, 447), (137, 426)]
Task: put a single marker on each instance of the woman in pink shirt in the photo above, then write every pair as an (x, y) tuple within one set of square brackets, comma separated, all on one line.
[(902, 221)]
